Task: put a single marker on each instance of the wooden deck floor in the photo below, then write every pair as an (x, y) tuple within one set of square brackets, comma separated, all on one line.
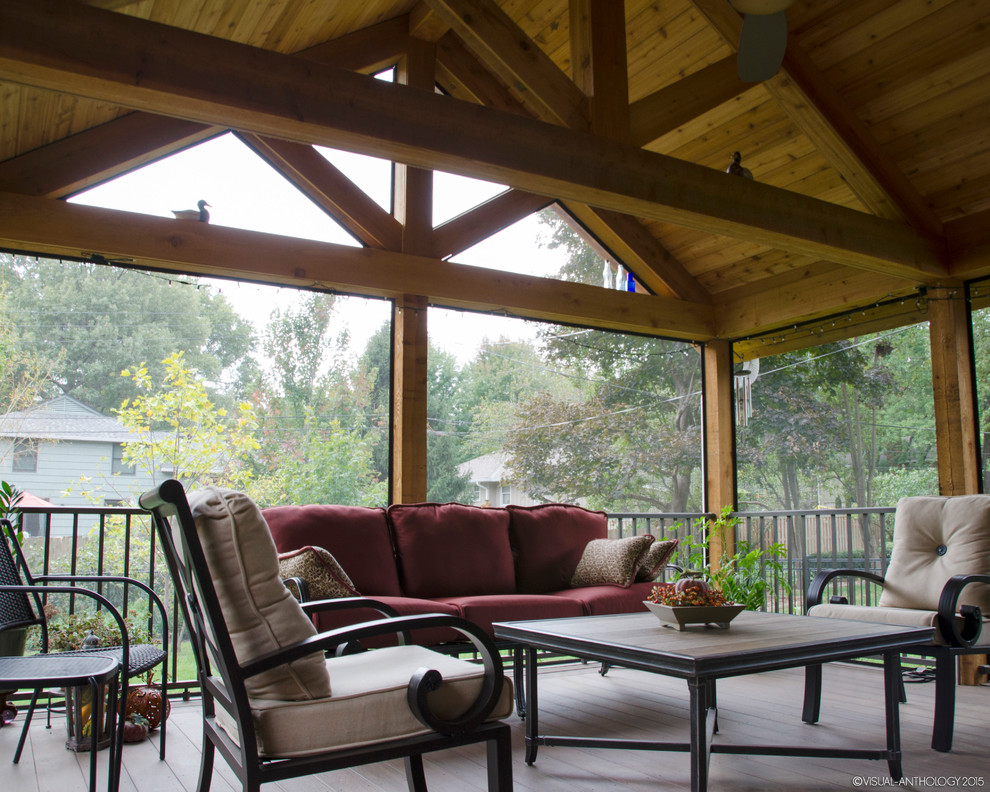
[(576, 700)]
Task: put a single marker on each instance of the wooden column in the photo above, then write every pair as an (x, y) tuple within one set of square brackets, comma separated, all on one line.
[(956, 419), (954, 386), (413, 201), (719, 439)]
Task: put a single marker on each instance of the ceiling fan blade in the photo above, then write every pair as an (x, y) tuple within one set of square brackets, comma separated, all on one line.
[(762, 44)]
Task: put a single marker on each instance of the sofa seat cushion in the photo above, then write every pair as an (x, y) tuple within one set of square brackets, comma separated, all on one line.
[(406, 606), (905, 617), (260, 613), (452, 550), (606, 600), (356, 536), (368, 705), (513, 607), (547, 543)]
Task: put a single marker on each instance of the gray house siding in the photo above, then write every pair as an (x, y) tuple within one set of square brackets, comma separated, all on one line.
[(75, 450)]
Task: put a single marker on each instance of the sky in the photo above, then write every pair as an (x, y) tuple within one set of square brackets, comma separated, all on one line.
[(245, 192)]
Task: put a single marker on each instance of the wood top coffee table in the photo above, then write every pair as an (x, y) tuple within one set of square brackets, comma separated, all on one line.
[(754, 642)]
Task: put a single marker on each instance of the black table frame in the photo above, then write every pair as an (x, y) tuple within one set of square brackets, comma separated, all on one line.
[(37, 672), (701, 675)]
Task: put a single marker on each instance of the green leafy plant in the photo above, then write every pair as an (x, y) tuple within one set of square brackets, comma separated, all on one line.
[(67, 632), (743, 577), (8, 494)]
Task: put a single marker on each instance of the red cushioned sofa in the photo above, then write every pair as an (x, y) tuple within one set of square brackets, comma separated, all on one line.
[(484, 564)]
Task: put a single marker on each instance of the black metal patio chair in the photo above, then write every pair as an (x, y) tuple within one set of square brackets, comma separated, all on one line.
[(274, 705), (938, 576), (22, 607)]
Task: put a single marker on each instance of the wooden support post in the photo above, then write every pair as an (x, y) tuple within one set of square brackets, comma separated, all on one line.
[(409, 400), (413, 201), (599, 63), (952, 377), (956, 418), (719, 444)]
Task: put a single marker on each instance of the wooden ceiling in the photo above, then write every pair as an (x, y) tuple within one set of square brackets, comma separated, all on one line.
[(870, 149)]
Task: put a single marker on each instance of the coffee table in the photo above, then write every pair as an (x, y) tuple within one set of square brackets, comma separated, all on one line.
[(755, 642)]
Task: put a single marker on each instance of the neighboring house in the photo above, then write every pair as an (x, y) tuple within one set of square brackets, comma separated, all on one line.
[(493, 487), (69, 454)]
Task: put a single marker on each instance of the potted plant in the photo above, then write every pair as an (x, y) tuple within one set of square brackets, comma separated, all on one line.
[(743, 577)]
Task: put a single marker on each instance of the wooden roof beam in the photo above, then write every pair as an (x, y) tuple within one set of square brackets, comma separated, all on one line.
[(324, 184), (968, 240), (58, 228), (149, 66), (824, 116), (800, 295), (95, 155)]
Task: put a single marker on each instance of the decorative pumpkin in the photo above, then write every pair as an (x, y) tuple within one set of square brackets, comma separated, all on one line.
[(135, 729), (146, 701)]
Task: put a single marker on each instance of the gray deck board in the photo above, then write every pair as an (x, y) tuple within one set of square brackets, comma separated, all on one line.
[(575, 700)]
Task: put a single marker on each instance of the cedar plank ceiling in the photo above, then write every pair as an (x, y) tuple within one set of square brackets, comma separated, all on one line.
[(882, 108)]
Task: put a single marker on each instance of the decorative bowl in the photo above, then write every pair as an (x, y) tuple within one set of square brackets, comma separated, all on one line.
[(680, 616)]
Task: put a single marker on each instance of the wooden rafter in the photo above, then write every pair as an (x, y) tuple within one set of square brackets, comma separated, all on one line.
[(328, 187), (821, 113), (58, 228), (663, 111), (630, 242), (595, 27), (87, 158), (501, 45), (471, 227), (155, 67)]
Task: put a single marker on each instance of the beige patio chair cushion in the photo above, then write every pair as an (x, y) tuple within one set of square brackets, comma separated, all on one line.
[(905, 617), (260, 613), (369, 703), (934, 539)]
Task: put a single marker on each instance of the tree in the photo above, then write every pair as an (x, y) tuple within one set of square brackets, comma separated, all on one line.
[(183, 431), (90, 321), (445, 422), (625, 433)]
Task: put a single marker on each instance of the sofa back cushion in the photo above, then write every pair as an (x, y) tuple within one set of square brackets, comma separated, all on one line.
[(356, 536), (452, 550), (548, 541), (935, 538), (260, 614)]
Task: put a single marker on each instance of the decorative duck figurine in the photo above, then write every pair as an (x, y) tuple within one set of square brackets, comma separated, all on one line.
[(193, 214), (736, 168)]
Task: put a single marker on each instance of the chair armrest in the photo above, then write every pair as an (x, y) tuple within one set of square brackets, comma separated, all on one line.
[(302, 588), (424, 681), (352, 603), (822, 579), (972, 619), (83, 592), (127, 581)]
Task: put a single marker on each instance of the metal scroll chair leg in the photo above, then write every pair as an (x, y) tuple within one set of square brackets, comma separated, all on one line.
[(812, 693), (206, 757), (27, 722), (945, 702), (415, 776), (500, 762)]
